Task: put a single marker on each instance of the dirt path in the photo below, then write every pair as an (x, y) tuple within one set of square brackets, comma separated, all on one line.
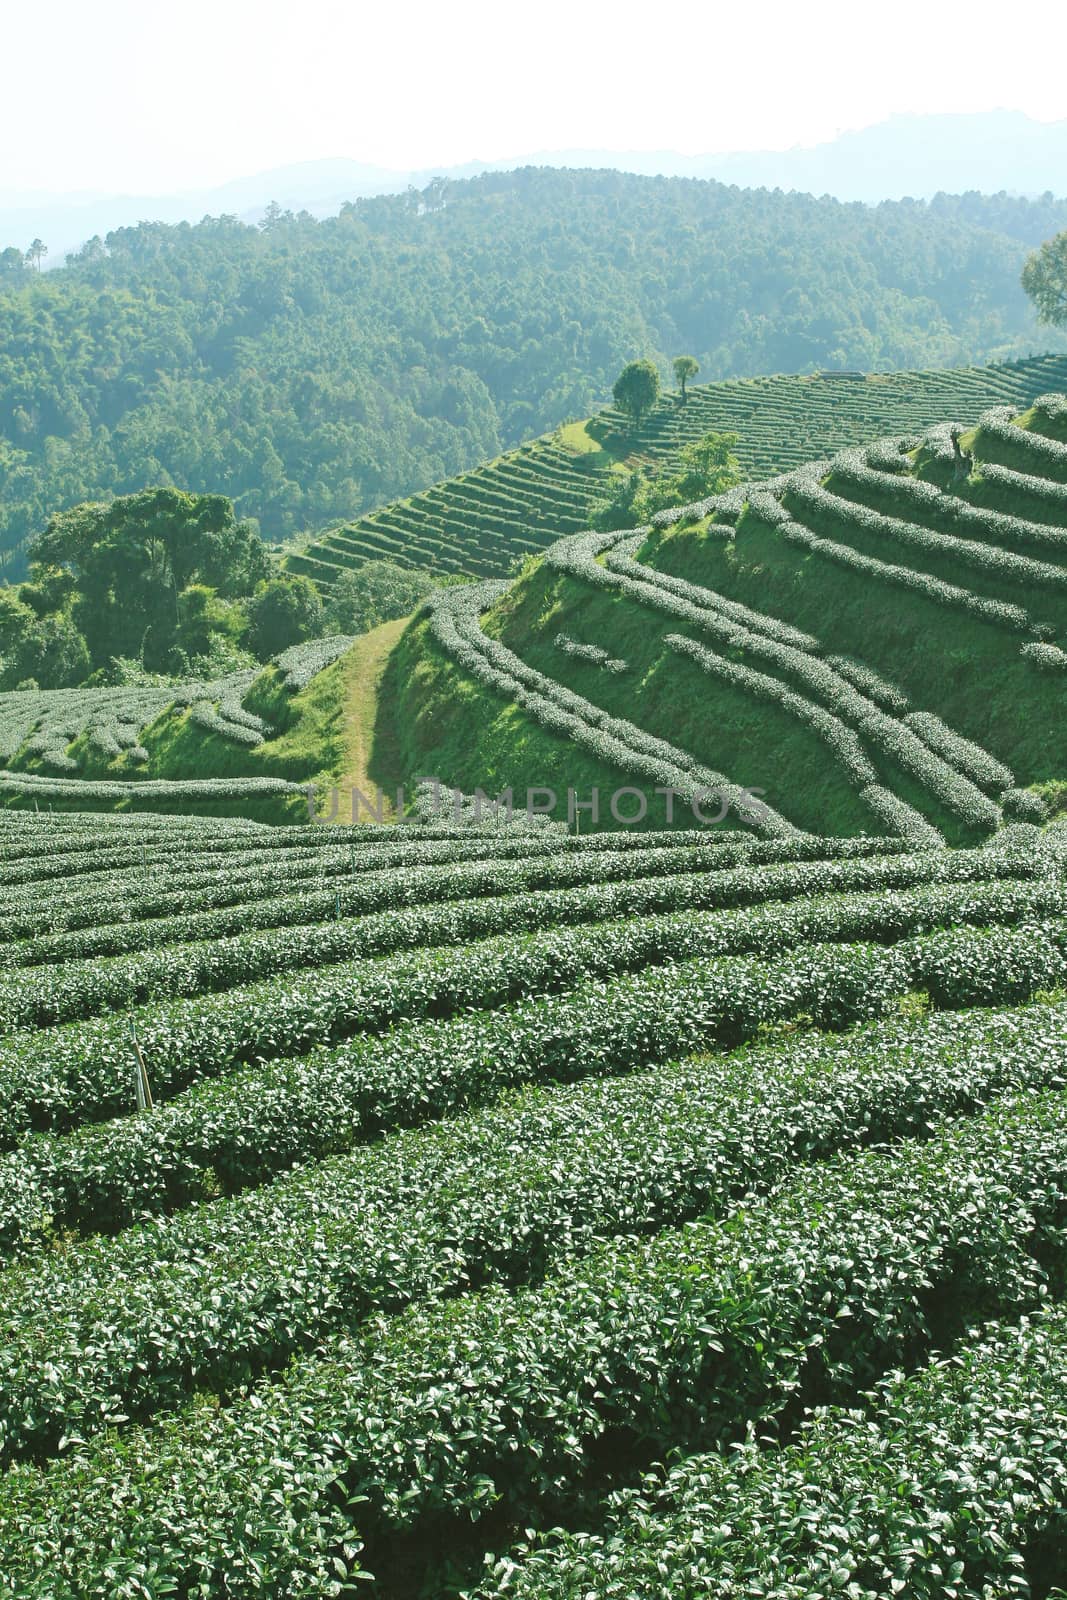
[(363, 675)]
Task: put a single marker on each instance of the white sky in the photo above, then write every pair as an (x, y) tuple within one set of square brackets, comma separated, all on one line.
[(143, 96)]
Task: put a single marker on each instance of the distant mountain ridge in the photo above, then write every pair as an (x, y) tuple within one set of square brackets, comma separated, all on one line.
[(906, 155)]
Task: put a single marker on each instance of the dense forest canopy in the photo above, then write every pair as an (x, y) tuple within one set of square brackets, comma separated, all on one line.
[(310, 370)]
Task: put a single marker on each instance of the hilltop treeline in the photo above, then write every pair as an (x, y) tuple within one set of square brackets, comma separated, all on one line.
[(310, 370)]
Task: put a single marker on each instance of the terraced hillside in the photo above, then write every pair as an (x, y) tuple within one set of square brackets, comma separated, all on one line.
[(249, 743), (375, 1218), (875, 643), (481, 521), (785, 421)]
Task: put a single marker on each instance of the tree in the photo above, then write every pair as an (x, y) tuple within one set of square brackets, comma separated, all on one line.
[(636, 389), (284, 611), (685, 367), (282, 366), (1045, 281), (132, 558), (52, 652), (16, 620), (50, 590), (378, 592), (707, 466), (37, 252), (208, 630)]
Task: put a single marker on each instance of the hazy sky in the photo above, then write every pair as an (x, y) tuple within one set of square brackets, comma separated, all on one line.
[(137, 96)]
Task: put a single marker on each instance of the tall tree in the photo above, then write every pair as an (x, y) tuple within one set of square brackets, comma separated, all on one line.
[(707, 466), (685, 367), (131, 559), (37, 252), (285, 611), (1045, 281), (636, 389)]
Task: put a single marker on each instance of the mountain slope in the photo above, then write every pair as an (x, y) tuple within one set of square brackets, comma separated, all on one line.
[(868, 641), (922, 156), (480, 522)]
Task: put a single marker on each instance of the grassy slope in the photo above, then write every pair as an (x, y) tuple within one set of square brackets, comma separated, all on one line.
[(468, 735), (969, 672), (366, 747), (433, 720), (395, 707), (755, 744)]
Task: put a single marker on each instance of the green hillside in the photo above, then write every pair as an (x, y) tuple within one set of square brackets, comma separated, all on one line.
[(248, 744), (480, 522), (875, 642), (477, 523), (451, 1216)]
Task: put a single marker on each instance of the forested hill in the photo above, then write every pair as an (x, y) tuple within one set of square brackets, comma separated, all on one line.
[(312, 370)]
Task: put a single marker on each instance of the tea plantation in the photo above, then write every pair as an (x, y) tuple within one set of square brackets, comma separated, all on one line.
[(247, 744), (481, 522), (874, 643), (475, 1212), (443, 1212)]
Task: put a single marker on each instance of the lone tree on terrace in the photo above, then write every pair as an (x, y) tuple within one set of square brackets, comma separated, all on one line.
[(636, 389), (685, 367)]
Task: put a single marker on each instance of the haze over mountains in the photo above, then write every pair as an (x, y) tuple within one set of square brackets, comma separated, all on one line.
[(916, 156)]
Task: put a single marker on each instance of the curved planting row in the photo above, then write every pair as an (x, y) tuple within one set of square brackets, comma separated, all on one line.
[(842, 741), (783, 421), (1033, 452), (219, 1293), (479, 521), (232, 916), (237, 1129), (80, 1072), (348, 893), (815, 1287), (845, 693), (879, 470), (454, 616), (998, 612), (827, 689), (175, 791), (452, 1217), (44, 727), (981, 560), (74, 986), (976, 1440), (475, 523)]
